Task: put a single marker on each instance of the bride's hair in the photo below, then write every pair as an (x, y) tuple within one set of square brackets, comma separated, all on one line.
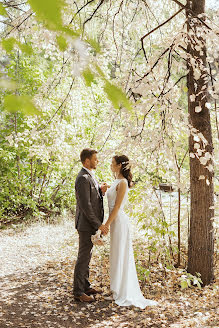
[(125, 169)]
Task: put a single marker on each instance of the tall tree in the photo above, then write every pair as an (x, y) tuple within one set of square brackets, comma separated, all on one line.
[(201, 240)]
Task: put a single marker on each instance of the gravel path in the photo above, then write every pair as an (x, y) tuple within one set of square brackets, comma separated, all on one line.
[(36, 274)]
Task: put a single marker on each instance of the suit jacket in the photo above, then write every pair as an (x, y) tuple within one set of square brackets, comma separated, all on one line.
[(89, 208)]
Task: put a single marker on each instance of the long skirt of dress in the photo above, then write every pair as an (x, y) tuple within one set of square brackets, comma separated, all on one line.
[(123, 276)]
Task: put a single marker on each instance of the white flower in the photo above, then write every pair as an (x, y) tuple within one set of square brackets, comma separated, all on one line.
[(203, 160), (10, 139), (207, 155), (196, 138), (198, 109), (192, 98), (210, 168), (197, 74)]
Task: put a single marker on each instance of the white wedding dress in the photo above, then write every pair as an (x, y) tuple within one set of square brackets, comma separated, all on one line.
[(123, 276)]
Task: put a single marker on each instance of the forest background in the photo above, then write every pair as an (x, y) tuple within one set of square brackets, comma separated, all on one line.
[(110, 75)]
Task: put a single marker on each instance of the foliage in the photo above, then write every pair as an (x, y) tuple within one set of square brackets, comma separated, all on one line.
[(187, 280), (94, 86)]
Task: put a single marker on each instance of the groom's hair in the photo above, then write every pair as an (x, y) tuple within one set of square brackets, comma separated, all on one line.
[(87, 153)]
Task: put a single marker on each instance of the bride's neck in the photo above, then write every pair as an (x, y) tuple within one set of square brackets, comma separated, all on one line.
[(119, 176)]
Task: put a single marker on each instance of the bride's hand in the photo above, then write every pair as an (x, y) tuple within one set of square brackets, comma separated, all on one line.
[(104, 229), (107, 226)]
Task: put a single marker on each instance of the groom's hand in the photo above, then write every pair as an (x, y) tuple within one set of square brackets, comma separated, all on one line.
[(104, 229), (104, 187)]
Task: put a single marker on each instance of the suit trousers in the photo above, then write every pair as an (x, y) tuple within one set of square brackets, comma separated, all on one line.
[(81, 273)]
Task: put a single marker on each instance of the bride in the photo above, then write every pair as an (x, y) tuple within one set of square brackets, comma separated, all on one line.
[(123, 276)]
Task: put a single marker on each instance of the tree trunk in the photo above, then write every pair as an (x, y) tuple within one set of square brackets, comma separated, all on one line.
[(201, 239), (179, 210)]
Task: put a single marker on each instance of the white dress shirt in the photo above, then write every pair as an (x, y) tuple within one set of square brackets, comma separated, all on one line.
[(93, 177)]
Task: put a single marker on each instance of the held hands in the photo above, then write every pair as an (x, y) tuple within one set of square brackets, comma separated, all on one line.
[(98, 238), (104, 229)]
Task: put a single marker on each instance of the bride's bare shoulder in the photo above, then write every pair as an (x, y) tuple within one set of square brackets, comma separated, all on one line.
[(123, 183)]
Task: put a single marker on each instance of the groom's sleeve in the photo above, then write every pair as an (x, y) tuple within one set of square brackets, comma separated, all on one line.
[(101, 193), (83, 191)]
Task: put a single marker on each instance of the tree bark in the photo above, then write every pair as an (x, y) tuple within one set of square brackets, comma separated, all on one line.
[(201, 239), (179, 227)]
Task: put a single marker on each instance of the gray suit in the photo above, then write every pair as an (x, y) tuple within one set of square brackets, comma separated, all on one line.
[(89, 217)]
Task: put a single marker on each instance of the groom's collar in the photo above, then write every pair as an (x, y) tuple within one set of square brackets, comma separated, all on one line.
[(89, 171)]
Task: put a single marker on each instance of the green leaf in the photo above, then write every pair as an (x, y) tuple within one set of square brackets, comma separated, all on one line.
[(70, 32), (14, 103), (99, 70), (169, 267), (26, 48), (62, 43), (3, 11), (8, 44), (116, 96), (199, 285), (94, 44), (88, 76), (50, 11), (183, 284)]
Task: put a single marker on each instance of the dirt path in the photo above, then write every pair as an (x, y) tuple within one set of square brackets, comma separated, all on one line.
[(36, 271)]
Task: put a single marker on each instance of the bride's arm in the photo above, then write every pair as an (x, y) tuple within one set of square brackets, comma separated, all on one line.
[(122, 187)]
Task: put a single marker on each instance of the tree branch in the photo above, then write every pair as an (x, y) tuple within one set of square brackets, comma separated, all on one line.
[(193, 14), (156, 28), (144, 120), (111, 126), (60, 106), (182, 77), (85, 5), (91, 16), (17, 26), (153, 65)]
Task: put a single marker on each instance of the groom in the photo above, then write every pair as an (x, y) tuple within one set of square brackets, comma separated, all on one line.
[(88, 219)]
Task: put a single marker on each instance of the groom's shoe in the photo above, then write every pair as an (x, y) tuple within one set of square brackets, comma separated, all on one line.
[(92, 291), (84, 298)]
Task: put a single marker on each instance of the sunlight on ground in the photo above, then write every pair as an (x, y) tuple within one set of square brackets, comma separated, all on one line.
[(36, 245), (36, 276)]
